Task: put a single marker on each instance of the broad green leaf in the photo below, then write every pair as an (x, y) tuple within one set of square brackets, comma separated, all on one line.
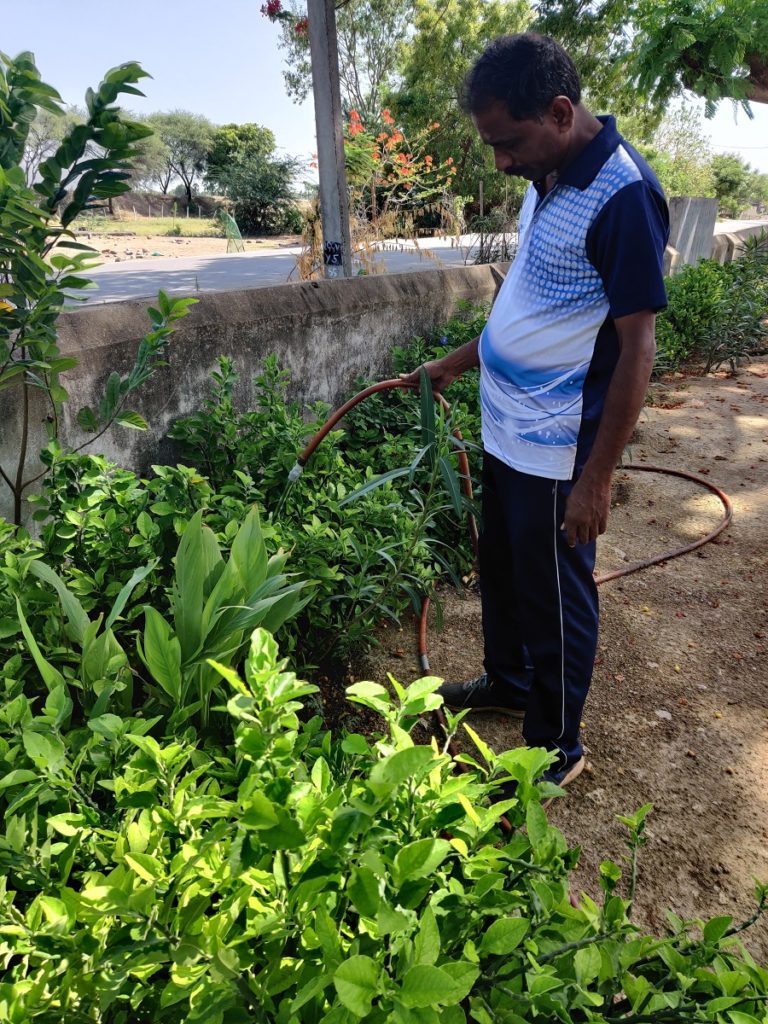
[(17, 777), (146, 866), (76, 615), (425, 985), (419, 859), (402, 765), (715, 929), (426, 947), (504, 935), (66, 824), (161, 652), (132, 419), (587, 963), (363, 891), (357, 983), (45, 751), (51, 676), (537, 825)]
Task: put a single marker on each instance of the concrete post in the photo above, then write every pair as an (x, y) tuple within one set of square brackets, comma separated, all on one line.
[(334, 204)]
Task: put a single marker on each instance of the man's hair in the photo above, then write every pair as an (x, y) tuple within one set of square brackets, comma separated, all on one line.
[(525, 71)]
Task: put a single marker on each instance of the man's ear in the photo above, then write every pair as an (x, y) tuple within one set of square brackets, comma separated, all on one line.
[(562, 113)]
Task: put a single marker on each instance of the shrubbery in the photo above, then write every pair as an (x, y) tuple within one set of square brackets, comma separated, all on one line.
[(717, 313)]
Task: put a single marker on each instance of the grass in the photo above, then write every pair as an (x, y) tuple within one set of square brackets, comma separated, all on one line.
[(192, 227)]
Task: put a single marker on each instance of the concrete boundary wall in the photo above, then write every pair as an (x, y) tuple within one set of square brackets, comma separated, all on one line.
[(324, 333)]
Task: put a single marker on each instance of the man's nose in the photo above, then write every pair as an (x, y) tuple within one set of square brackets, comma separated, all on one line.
[(503, 160)]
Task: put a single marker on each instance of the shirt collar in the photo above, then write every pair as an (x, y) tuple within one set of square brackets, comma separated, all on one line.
[(584, 169)]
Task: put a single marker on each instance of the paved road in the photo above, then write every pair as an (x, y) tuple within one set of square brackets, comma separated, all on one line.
[(138, 279)]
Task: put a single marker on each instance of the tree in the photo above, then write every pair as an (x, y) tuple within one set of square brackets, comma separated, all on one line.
[(717, 49), (680, 155), (448, 36), (188, 138), (369, 33), (260, 188), (734, 183), (151, 165), (235, 142)]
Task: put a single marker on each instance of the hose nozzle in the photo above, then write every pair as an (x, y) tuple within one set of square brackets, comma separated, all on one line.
[(295, 473)]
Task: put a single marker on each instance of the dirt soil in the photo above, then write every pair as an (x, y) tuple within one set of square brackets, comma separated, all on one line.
[(115, 248), (678, 711)]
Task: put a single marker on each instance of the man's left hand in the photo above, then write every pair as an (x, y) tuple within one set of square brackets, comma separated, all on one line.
[(586, 510)]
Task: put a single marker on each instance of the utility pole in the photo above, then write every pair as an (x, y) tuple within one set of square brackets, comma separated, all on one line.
[(334, 203)]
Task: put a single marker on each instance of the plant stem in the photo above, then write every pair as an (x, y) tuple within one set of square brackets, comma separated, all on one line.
[(19, 487)]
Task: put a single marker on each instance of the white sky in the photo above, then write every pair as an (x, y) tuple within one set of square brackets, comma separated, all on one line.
[(219, 58)]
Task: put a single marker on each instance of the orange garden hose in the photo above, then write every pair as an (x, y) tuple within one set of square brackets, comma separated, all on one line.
[(645, 563)]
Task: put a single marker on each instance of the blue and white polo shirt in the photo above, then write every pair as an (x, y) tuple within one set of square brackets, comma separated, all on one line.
[(590, 251)]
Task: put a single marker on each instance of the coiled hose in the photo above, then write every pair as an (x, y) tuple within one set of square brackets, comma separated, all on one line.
[(645, 563)]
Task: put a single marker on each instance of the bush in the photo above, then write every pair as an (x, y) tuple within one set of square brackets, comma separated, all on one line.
[(288, 876), (716, 313)]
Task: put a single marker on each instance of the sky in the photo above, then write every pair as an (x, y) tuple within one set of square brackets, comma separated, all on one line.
[(220, 58)]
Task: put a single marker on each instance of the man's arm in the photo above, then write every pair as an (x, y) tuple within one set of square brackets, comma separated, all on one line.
[(587, 506), (443, 372)]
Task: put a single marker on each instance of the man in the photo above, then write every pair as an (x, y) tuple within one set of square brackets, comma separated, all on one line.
[(565, 360)]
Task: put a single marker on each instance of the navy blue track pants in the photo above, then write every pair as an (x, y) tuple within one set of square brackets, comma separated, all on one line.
[(539, 599)]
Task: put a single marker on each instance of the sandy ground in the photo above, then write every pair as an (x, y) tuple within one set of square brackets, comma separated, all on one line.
[(115, 248), (678, 712)]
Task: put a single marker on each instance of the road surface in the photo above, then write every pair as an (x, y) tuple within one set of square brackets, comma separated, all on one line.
[(141, 279)]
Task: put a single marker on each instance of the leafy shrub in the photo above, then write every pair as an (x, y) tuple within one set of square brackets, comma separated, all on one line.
[(295, 877), (716, 313)]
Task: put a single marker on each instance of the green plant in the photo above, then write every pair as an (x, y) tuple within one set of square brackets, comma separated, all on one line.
[(91, 163), (215, 604), (294, 877), (370, 558)]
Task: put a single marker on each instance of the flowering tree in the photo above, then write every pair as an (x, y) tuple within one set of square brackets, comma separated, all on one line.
[(397, 172)]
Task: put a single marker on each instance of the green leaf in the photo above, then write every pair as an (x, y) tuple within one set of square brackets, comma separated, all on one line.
[(86, 420), (357, 983), (51, 676), (17, 777), (132, 419), (147, 867), (126, 590), (425, 985), (427, 409), (47, 752), (78, 620), (363, 891), (504, 935), (536, 824), (161, 653), (426, 947), (452, 486), (373, 483), (397, 767), (715, 929), (587, 963), (419, 859)]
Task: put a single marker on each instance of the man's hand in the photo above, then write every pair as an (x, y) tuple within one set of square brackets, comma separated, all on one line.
[(440, 375), (443, 372), (586, 510)]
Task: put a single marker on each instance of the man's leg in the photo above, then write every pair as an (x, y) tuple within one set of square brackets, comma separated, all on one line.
[(557, 605), (505, 661)]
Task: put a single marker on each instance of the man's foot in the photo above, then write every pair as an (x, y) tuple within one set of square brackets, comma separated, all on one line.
[(481, 694)]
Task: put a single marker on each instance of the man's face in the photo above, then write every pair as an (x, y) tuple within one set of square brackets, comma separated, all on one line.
[(529, 149)]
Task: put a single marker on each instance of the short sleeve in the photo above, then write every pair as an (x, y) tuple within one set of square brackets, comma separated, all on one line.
[(626, 244)]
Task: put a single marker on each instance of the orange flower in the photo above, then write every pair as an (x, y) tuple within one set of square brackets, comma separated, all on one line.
[(436, 124), (387, 117), (381, 136), (449, 161), (428, 160)]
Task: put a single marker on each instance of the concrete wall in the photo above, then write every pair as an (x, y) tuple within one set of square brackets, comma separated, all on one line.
[(324, 333)]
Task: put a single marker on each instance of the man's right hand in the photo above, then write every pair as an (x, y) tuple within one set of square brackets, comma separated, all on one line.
[(440, 374), (443, 372)]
